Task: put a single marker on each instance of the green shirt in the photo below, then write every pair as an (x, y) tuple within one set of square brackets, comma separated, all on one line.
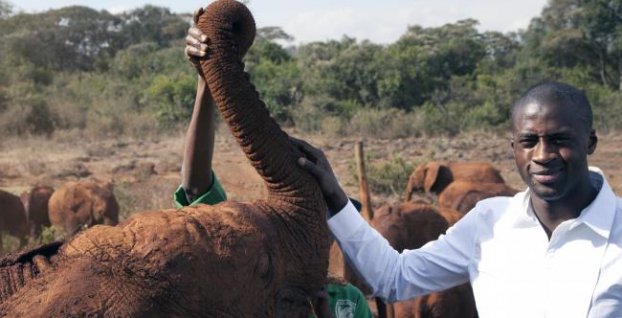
[(214, 195), (346, 301)]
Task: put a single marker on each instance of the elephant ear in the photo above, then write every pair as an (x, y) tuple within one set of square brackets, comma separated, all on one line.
[(431, 175)]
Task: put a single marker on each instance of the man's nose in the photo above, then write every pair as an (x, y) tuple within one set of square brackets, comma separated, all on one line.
[(544, 152)]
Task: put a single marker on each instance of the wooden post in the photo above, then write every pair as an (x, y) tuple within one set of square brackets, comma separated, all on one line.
[(364, 196)]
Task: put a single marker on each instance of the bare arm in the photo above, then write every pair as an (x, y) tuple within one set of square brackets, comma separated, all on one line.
[(196, 166)]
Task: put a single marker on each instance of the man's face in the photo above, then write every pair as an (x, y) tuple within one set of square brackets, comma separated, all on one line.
[(551, 145)]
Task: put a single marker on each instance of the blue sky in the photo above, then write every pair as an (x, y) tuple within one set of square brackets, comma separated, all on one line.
[(320, 20)]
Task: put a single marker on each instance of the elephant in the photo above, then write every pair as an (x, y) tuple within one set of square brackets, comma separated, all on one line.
[(264, 258), (36, 205), (463, 195), (410, 225), (12, 218), (81, 204), (434, 177)]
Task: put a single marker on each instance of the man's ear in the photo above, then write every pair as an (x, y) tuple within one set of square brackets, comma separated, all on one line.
[(592, 142), (512, 143)]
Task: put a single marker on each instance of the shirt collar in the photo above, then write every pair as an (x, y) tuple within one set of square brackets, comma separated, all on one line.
[(598, 215)]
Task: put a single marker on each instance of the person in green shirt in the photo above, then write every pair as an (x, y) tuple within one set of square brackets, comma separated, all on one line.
[(339, 299)]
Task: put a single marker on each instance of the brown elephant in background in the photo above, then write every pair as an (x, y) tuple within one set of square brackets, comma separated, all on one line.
[(264, 258), (463, 195), (410, 225), (434, 177), (12, 218), (81, 204), (36, 205)]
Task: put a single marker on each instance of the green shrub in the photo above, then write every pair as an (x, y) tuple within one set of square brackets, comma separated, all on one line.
[(29, 116), (385, 123), (438, 121), (388, 177), (50, 234)]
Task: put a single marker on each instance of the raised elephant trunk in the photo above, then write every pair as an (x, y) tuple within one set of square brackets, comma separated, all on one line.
[(293, 195), (231, 29)]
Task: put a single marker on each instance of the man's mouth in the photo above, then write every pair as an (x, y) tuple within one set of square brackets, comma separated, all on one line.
[(546, 176)]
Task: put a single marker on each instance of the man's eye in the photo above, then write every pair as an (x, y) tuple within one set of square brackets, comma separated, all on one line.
[(560, 141), (528, 143)]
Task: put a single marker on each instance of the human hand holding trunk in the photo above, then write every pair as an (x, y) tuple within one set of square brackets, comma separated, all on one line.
[(317, 165)]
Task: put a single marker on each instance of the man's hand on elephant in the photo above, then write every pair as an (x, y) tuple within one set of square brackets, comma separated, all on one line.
[(315, 162), (196, 41)]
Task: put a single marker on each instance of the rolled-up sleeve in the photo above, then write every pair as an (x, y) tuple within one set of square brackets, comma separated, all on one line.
[(438, 265)]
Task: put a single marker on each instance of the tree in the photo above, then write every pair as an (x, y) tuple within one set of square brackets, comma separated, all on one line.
[(152, 24), (5, 9), (424, 59), (71, 38)]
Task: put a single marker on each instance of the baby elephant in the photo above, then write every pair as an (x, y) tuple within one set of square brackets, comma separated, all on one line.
[(12, 217), (434, 177), (81, 204), (36, 206)]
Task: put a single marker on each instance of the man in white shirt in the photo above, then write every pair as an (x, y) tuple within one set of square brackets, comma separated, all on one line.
[(553, 250)]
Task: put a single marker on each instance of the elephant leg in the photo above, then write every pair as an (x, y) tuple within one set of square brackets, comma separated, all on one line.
[(34, 231)]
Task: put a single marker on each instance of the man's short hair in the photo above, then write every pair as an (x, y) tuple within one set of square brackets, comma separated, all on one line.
[(560, 94)]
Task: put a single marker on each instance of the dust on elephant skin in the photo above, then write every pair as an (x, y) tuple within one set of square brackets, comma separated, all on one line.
[(190, 262)]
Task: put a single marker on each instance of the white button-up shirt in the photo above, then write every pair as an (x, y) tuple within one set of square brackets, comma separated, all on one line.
[(501, 248)]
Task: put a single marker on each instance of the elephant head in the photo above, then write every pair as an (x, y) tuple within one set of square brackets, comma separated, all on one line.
[(12, 217), (434, 177), (81, 204), (235, 259), (36, 205)]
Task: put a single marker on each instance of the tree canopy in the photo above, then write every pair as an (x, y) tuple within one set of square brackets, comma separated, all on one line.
[(80, 68)]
